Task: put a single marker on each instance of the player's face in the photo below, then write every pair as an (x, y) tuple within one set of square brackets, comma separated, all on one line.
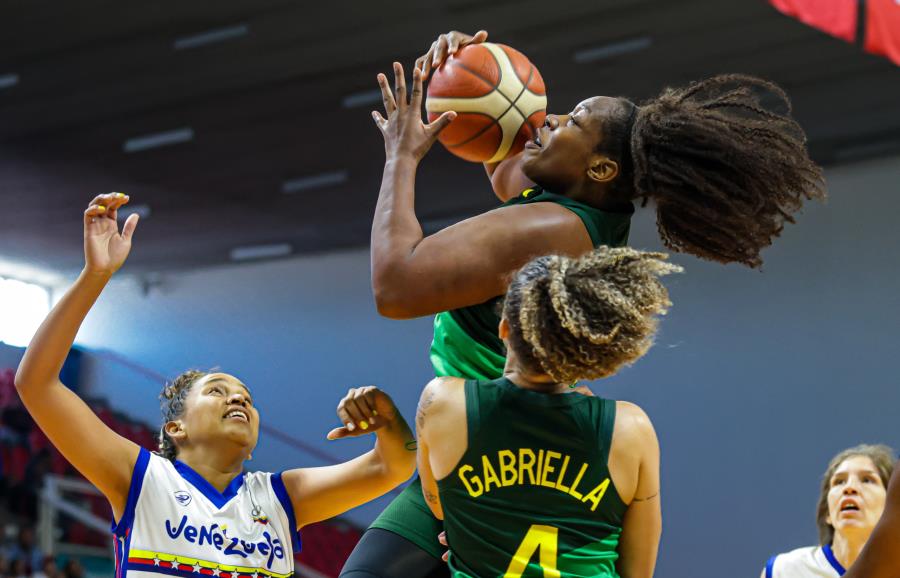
[(565, 147), (220, 407), (856, 497)]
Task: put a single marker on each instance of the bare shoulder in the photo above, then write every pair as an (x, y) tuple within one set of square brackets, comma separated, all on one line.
[(439, 396), (633, 425)]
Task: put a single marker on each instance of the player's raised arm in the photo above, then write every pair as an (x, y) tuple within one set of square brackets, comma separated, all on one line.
[(321, 493), (467, 263), (105, 458)]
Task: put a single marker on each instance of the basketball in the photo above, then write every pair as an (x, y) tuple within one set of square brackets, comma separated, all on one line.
[(499, 98)]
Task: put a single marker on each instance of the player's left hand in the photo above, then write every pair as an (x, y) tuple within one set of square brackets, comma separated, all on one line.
[(363, 410), (405, 135), (447, 44)]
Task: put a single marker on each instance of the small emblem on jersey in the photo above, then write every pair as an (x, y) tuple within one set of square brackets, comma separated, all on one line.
[(182, 497), (262, 519)]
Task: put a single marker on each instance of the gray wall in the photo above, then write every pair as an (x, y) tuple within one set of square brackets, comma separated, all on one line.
[(757, 378)]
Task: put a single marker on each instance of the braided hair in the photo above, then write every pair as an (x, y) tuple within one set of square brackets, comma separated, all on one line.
[(722, 159), (585, 317), (172, 401)]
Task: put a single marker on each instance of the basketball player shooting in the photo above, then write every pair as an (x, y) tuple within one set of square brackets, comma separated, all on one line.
[(724, 171)]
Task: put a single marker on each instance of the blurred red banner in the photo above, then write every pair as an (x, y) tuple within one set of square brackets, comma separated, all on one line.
[(835, 17), (883, 28)]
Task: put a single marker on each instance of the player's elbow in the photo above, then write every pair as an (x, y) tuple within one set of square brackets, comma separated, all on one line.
[(393, 296), (389, 304)]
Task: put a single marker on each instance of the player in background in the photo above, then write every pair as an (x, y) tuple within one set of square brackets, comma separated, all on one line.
[(851, 501)]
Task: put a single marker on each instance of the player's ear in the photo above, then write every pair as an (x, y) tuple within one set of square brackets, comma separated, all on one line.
[(175, 430), (503, 330), (603, 169)]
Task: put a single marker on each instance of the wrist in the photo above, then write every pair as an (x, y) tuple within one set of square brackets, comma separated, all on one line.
[(404, 160), (96, 276)]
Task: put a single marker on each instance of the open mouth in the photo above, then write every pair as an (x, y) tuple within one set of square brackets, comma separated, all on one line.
[(237, 414), (849, 507)]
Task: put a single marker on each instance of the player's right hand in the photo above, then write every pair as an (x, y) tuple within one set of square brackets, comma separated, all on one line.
[(105, 249), (445, 45)]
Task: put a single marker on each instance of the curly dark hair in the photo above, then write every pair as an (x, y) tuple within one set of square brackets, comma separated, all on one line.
[(172, 400), (585, 317), (722, 159)]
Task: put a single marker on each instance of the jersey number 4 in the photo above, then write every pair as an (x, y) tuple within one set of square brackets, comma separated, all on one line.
[(541, 538)]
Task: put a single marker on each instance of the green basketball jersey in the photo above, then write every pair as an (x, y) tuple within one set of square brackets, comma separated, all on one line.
[(466, 343), (532, 495)]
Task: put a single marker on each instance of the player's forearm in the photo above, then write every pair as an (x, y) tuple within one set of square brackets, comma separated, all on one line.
[(395, 229), (51, 343), (395, 450)]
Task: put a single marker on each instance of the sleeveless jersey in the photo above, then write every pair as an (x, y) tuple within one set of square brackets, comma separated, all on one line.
[(809, 562), (465, 342), (176, 523), (532, 495)]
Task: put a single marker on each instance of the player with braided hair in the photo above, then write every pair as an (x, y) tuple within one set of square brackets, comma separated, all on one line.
[(722, 160), (529, 477), (193, 511)]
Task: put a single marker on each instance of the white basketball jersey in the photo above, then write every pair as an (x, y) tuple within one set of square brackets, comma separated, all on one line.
[(809, 562), (177, 524)]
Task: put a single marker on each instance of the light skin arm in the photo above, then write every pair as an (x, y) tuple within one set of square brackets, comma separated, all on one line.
[(642, 526), (321, 493), (467, 263), (880, 558), (104, 457), (443, 435)]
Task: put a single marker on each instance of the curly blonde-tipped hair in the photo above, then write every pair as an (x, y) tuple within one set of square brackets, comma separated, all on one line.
[(585, 317), (172, 399)]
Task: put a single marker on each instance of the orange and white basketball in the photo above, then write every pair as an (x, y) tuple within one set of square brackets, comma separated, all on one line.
[(499, 98)]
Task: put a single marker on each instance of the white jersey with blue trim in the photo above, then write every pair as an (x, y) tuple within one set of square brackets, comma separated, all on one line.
[(176, 523), (809, 562)]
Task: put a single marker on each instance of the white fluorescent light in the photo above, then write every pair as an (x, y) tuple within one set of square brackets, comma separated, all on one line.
[(211, 37), (159, 139), (8, 80), (595, 53), (251, 252), (361, 98), (315, 181)]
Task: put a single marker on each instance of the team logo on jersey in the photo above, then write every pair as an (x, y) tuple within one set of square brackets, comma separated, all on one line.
[(262, 519), (182, 497)]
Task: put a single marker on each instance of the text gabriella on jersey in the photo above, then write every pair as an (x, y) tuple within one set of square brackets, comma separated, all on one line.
[(218, 537), (527, 467)]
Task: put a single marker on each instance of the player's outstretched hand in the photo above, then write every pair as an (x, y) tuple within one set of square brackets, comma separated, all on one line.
[(405, 135), (363, 410), (445, 45), (105, 249)]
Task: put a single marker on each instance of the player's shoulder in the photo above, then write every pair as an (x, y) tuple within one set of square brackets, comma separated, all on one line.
[(529, 216), (441, 391), (796, 562), (632, 419)]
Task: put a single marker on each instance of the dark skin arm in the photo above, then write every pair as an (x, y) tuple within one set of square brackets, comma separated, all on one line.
[(880, 558), (467, 263)]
